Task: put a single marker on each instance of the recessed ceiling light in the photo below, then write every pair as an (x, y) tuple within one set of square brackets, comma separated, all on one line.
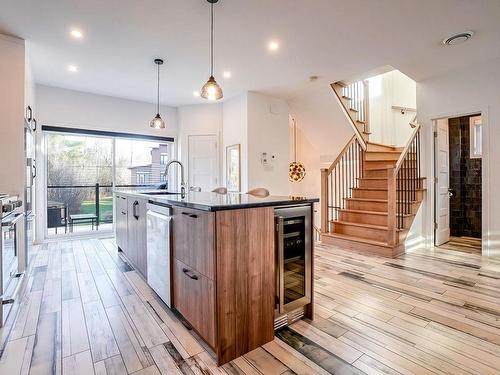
[(77, 34), (458, 38), (196, 93), (227, 74), (72, 68), (273, 46)]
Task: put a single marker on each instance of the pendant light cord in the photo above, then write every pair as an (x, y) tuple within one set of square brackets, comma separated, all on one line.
[(212, 39), (295, 140), (158, 92)]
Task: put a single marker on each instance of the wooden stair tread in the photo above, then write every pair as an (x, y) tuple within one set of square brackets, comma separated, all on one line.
[(384, 152), (381, 178), (380, 144), (363, 225), (376, 200), (355, 239), (366, 212)]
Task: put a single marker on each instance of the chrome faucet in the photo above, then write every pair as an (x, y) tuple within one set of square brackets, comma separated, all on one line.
[(183, 183)]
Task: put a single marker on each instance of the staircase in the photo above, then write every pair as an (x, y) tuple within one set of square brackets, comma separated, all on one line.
[(371, 193)]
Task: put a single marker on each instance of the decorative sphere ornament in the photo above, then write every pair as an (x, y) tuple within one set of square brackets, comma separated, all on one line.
[(296, 171)]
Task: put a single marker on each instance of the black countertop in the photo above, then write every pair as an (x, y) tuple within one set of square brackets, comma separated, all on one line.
[(209, 201)]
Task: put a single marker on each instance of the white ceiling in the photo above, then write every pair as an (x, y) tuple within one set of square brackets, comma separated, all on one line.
[(333, 39)]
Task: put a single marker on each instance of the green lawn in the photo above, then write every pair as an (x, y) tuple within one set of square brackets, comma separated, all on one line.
[(105, 208)]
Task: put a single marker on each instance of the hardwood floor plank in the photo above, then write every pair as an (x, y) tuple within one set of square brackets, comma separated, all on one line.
[(47, 349), (371, 366), (330, 343), (166, 364), (115, 366), (11, 361), (78, 364), (74, 331), (149, 330), (189, 344), (130, 348), (316, 352), (70, 288), (294, 363), (265, 362), (88, 289), (140, 286), (102, 341)]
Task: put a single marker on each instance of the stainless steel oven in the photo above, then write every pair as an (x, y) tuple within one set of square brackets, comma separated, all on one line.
[(293, 258)]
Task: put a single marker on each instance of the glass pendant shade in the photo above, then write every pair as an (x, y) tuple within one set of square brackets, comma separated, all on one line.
[(211, 90), (157, 122)]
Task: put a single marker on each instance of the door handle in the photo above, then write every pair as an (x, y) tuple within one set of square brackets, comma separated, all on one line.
[(34, 171), (189, 274), (450, 193)]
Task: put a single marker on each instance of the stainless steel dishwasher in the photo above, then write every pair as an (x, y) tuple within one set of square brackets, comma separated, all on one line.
[(158, 250)]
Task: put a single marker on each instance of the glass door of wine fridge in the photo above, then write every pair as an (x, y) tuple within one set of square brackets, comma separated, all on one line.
[(293, 258)]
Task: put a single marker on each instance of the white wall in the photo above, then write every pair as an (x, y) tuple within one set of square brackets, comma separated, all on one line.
[(12, 81), (322, 132), (75, 109), (202, 119), (469, 90), (258, 123), (235, 125), (389, 126), (268, 133)]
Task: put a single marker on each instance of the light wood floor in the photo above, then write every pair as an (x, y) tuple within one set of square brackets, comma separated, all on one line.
[(463, 244), (434, 311)]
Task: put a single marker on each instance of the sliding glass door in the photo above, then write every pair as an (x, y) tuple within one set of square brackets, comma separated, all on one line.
[(82, 170)]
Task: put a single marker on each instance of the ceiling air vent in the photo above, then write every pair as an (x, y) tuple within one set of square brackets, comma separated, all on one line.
[(458, 38)]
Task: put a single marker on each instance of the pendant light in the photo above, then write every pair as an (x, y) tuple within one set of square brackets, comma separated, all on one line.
[(157, 122), (211, 90), (296, 170)]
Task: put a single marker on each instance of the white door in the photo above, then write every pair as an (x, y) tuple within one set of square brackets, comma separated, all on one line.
[(443, 183), (203, 162)]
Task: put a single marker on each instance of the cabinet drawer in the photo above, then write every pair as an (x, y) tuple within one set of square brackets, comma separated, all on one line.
[(194, 298), (193, 239), (121, 204)]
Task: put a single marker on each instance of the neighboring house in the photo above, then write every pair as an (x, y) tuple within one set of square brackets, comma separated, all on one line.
[(152, 173)]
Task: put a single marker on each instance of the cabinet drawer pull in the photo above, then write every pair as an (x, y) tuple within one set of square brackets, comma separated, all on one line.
[(194, 216), (189, 274), (124, 213)]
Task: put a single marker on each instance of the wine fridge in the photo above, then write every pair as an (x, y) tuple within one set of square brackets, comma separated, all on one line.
[(293, 258)]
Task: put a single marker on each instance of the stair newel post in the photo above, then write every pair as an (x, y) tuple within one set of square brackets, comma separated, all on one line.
[(366, 102), (324, 201), (391, 206)]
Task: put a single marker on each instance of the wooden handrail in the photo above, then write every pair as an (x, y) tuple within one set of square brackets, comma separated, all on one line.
[(351, 121), (402, 157), (346, 147)]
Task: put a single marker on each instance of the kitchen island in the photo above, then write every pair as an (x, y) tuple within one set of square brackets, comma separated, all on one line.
[(223, 265)]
